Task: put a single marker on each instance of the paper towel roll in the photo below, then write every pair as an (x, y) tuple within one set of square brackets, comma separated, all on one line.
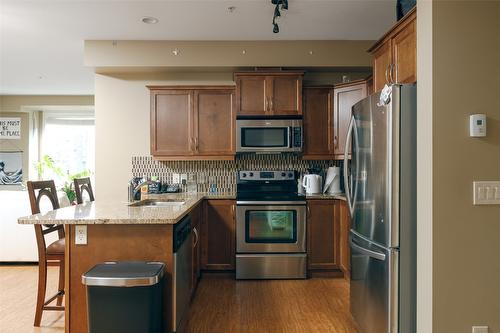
[(332, 183)]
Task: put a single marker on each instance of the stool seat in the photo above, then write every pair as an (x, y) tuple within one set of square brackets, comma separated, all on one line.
[(57, 247)]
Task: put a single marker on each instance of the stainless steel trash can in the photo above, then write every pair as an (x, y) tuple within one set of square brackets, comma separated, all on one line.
[(124, 297)]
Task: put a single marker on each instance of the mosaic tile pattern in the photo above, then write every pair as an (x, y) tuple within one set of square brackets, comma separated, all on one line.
[(220, 173)]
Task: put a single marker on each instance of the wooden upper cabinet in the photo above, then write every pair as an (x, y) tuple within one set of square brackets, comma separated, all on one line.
[(322, 235), (404, 46), (395, 54), (218, 248), (382, 60), (345, 95), (171, 122), (264, 94), (318, 123), (286, 96), (214, 122), (190, 123), (251, 95)]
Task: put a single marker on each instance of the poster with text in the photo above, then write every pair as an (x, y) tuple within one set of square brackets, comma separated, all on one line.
[(10, 128)]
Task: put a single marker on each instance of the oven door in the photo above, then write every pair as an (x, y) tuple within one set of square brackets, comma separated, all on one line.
[(271, 228)]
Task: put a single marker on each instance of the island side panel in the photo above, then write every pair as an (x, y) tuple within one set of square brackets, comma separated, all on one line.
[(116, 242)]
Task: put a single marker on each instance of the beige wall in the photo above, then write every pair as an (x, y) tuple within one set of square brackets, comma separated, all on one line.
[(106, 54), (466, 261), (122, 119), (20, 106)]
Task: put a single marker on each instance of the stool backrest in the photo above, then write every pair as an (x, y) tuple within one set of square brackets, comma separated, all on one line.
[(83, 184), (45, 188)]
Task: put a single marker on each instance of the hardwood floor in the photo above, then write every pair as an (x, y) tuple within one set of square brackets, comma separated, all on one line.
[(221, 304), (18, 288)]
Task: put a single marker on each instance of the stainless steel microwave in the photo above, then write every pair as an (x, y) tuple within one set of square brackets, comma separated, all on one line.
[(265, 135)]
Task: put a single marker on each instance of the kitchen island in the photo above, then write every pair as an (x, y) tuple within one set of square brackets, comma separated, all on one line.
[(143, 231), (117, 231)]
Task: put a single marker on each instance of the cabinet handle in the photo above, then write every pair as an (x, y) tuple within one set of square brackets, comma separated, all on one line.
[(196, 144), (308, 211), (271, 106), (232, 211), (265, 104), (390, 73), (336, 141), (197, 237), (386, 70)]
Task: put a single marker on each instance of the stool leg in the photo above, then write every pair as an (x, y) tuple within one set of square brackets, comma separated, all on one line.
[(61, 282), (42, 286)]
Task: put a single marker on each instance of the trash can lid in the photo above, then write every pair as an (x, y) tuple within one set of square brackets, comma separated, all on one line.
[(124, 274)]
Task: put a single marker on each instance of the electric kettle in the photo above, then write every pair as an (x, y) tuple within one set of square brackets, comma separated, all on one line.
[(312, 184)]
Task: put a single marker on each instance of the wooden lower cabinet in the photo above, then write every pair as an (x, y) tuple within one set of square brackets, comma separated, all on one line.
[(345, 227), (218, 250), (322, 235)]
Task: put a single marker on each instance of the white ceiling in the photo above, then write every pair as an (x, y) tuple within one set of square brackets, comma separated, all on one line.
[(41, 41)]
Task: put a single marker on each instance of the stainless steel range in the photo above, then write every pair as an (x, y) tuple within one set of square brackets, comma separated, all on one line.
[(270, 226)]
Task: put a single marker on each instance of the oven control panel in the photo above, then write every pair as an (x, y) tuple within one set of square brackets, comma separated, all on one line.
[(267, 175)]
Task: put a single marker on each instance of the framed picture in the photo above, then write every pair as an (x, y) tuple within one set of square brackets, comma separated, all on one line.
[(11, 167)]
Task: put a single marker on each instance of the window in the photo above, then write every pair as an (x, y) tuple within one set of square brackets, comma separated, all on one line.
[(69, 139)]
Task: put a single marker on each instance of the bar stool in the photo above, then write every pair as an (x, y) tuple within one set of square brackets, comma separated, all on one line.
[(52, 255), (83, 184)]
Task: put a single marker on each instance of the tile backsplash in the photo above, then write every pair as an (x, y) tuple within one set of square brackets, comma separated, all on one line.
[(221, 173)]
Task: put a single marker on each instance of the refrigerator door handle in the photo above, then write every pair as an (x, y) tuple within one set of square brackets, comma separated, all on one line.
[(370, 253), (346, 161)]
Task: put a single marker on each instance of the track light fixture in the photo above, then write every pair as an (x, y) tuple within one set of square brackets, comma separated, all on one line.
[(277, 13)]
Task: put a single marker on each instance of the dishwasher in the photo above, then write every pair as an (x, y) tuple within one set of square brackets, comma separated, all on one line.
[(182, 271)]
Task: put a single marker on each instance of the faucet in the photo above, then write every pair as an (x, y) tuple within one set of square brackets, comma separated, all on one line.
[(134, 190)]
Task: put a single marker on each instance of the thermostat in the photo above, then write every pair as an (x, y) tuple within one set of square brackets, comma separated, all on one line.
[(477, 125)]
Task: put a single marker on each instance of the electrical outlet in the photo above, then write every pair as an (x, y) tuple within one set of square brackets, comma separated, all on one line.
[(176, 178), (486, 193), (184, 178), (479, 329), (81, 235)]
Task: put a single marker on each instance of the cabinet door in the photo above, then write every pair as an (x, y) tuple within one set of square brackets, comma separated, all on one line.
[(285, 94), (382, 59), (323, 234), (345, 227), (345, 96), (218, 235), (214, 122), (318, 123), (196, 224), (251, 95), (171, 123), (404, 46)]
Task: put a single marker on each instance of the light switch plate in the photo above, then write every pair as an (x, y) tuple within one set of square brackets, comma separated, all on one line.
[(486, 193), (479, 329), (81, 235)]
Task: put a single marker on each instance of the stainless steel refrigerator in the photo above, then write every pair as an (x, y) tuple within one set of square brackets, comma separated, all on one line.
[(380, 182)]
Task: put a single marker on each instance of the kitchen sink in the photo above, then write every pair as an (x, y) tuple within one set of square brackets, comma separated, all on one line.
[(157, 203)]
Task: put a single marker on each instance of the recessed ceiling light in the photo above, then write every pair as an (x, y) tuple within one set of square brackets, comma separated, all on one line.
[(150, 20), (231, 9)]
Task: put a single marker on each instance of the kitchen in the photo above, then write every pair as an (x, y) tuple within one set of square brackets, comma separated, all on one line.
[(228, 166)]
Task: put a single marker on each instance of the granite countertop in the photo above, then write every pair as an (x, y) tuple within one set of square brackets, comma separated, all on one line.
[(119, 212), (327, 196)]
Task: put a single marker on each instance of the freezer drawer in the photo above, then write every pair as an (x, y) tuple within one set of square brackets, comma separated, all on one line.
[(374, 286)]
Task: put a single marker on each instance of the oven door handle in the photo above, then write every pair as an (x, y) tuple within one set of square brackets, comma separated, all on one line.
[(290, 136), (274, 203)]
